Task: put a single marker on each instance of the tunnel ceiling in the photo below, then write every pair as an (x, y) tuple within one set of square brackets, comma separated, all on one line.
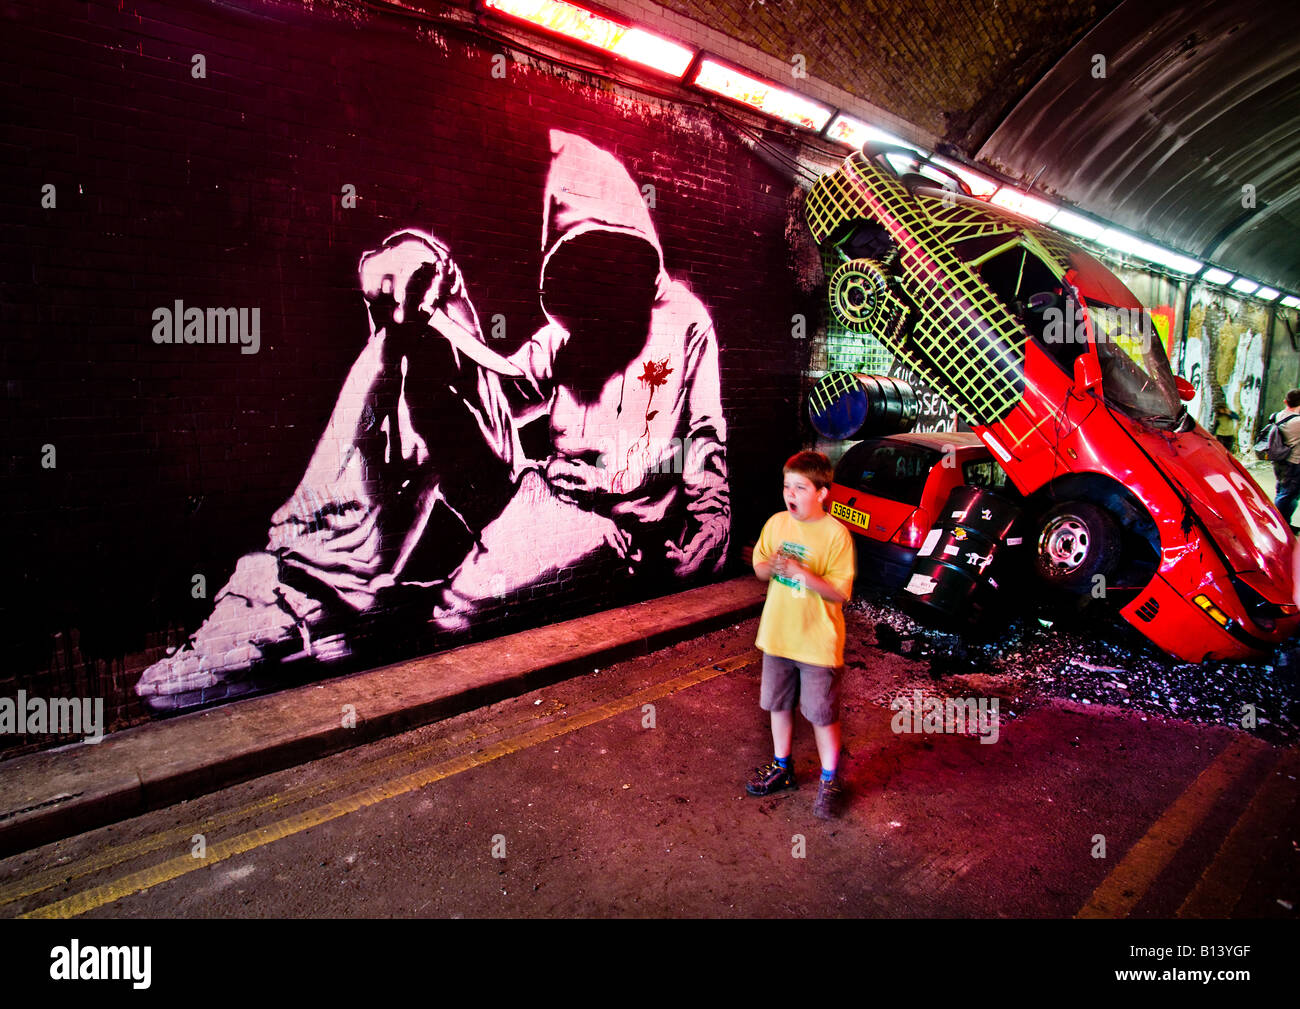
[(1198, 100)]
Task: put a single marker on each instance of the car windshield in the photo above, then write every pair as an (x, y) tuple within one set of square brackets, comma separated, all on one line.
[(1135, 375), (893, 470)]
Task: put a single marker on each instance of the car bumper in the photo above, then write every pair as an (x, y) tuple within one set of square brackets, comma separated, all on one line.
[(883, 563), (1181, 628)]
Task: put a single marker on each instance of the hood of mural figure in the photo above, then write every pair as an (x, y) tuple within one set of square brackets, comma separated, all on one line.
[(588, 193)]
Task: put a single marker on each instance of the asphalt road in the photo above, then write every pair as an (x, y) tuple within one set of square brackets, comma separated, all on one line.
[(620, 793)]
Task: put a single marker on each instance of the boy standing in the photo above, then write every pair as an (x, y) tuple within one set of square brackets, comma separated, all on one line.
[(807, 558)]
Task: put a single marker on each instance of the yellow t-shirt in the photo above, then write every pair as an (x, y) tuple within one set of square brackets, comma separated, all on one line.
[(797, 623)]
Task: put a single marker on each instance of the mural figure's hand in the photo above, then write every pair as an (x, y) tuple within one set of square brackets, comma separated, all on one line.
[(700, 550), (413, 279), (418, 274), (575, 477), (620, 541)]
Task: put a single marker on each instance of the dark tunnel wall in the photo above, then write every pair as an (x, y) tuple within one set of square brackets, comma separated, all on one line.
[(396, 448)]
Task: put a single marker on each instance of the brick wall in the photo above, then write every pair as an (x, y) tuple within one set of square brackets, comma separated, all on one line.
[(134, 466)]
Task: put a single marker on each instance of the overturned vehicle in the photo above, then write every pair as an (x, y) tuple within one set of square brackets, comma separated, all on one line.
[(1057, 368)]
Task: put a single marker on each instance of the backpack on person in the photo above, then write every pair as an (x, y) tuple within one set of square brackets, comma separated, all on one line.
[(1272, 446)]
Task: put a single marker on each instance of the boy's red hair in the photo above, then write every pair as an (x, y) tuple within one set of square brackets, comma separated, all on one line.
[(815, 466)]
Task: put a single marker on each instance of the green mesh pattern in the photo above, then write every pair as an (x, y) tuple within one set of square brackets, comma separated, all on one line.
[(964, 343), (831, 387), (958, 222), (1058, 248), (849, 351)]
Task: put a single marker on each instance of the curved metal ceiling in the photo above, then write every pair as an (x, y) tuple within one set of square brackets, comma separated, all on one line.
[(1196, 103), (1199, 99)]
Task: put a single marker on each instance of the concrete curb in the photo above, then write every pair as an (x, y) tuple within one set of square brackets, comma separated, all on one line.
[(58, 793)]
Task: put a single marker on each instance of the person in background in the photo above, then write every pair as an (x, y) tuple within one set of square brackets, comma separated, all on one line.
[(1226, 421), (1287, 470)]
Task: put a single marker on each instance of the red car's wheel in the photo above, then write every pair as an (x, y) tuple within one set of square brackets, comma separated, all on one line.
[(1077, 541)]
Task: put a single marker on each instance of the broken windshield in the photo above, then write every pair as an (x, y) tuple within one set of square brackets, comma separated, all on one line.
[(1135, 375)]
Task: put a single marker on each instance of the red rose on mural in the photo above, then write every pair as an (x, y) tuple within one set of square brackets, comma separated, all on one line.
[(656, 373)]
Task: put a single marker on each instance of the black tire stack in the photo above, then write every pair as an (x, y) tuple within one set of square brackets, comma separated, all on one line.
[(960, 573)]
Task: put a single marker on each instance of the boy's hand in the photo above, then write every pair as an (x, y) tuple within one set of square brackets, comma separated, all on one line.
[(781, 566), (788, 565)]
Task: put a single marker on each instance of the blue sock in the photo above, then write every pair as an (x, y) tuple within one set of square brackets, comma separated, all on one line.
[(828, 775), (784, 762)]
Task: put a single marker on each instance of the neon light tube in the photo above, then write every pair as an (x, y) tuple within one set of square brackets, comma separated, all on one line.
[(761, 95), (581, 25)]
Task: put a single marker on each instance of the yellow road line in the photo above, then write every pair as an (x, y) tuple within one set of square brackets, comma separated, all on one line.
[(98, 896), (1226, 878), (106, 858), (1129, 881)]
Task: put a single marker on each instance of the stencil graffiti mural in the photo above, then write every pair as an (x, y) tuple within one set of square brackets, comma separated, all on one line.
[(450, 477)]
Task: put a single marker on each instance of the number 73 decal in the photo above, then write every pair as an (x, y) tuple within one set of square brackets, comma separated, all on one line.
[(1253, 508)]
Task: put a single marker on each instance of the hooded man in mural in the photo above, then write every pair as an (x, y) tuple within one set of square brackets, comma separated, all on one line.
[(625, 373), (418, 453), (419, 498)]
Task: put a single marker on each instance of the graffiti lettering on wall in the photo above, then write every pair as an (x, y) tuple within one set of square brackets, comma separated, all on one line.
[(421, 496), (933, 414)]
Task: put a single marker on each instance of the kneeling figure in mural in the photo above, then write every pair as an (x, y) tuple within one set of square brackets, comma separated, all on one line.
[(420, 498)]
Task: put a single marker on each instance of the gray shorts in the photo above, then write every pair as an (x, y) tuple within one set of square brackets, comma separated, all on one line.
[(816, 688)]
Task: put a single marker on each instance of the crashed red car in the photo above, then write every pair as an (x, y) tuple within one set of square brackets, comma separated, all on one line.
[(1058, 369)]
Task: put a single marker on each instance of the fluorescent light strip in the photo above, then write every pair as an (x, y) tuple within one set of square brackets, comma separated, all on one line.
[(854, 133), (1126, 241), (766, 97), (1176, 261), (1073, 224), (980, 186), (1216, 276), (1121, 241), (589, 28), (1291, 301), (1024, 204), (1267, 294), (1244, 285)]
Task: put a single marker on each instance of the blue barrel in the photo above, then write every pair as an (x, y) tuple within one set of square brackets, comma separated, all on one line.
[(844, 404)]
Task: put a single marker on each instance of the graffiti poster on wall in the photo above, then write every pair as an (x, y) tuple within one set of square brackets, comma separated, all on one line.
[(450, 477)]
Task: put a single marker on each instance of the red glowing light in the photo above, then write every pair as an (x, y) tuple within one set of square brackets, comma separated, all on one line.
[(762, 95), (581, 25)]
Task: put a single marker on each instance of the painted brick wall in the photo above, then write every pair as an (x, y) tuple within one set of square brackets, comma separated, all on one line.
[(132, 467)]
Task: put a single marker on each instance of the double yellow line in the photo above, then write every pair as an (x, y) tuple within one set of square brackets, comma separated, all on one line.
[(98, 896), (1223, 881)]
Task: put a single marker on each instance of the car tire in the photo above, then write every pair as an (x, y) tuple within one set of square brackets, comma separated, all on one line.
[(1076, 542)]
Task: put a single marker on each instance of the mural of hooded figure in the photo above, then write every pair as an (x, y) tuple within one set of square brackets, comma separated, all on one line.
[(625, 374), (418, 453), (419, 498)]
